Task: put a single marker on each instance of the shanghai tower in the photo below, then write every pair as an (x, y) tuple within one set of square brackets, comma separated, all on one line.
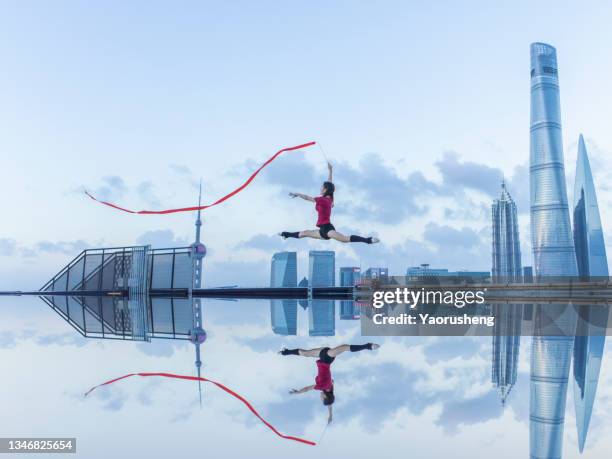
[(553, 256)]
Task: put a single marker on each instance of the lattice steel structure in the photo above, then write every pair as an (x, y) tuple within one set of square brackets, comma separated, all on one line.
[(105, 293)]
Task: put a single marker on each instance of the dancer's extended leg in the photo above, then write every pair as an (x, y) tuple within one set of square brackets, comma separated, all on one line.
[(336, 351), (338, 236), (303, 352), (300, 234)]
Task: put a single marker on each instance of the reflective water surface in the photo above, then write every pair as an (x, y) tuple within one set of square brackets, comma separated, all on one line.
[(418, 396)]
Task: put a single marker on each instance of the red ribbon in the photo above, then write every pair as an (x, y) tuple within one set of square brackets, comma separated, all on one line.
[(220, 386), (218, 201)]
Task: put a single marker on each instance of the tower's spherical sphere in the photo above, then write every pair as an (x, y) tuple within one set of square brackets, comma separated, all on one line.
[(198, 336), (200, 249)]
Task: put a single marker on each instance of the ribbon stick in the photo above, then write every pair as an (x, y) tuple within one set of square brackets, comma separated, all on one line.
[(219, 385), (218, 201)]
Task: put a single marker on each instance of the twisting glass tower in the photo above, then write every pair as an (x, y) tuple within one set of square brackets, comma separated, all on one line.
[(592, 263), (553, 255)]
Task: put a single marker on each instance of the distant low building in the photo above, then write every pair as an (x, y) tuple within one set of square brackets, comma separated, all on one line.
[(377, 273), (527, 275), (424, 273)]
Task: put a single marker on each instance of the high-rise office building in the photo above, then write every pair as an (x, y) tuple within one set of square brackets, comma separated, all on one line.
[(322, 268), (506, 265), (349, 276), (592, 264), (283, 313), (283, 272), (588, 234), (553, 255), (322, 273), (552, 244)]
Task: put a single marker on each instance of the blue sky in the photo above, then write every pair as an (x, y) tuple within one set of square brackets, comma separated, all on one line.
[(422, 107)]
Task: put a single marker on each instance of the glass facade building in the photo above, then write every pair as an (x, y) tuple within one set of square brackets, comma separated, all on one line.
[(506, 246), (322, 268), (120, 269), (283, 313), (553, 255)]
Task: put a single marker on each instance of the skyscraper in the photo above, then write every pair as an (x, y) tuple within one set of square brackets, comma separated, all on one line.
[(552, 244), (506, 266), (553, 255), (283, 272), (322, 268), (349, 276), (322, 273), (283, 313), (592, 262)]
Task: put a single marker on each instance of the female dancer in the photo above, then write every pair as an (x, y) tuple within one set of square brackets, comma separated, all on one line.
[(323, 380), (323, 206)]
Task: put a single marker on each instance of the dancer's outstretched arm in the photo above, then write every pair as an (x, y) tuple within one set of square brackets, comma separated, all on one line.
[(329, 418), (303, 196), (329, 168), (302, 390)]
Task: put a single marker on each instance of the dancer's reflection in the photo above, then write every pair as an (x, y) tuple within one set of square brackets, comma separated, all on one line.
[(323, 380)]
